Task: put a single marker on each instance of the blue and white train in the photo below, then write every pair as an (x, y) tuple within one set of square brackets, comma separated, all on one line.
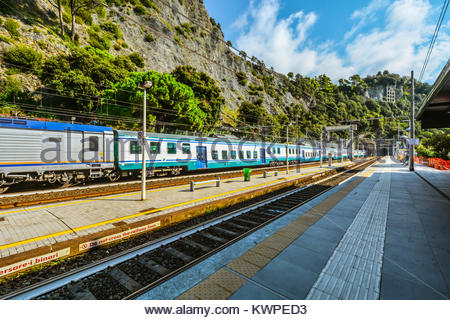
[(64, 153)]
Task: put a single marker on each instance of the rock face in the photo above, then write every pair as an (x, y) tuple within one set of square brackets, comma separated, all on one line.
[(183, 34), (380, 93)]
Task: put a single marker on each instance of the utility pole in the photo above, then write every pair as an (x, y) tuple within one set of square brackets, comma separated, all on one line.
[(351, 143), (320, 152), (220, 119), (411, 127), (298, 149), (144, 86), (287, 149)]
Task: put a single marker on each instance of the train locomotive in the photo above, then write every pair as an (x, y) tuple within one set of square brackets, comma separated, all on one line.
[(63, 153)]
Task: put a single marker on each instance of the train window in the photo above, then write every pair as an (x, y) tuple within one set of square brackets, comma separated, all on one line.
[(249, 154), (171, 148), (224, 155), (241, 154), (233, 154), (274, 150), (186, 147), (135, 148), (278, 150), (255, 154), (93, 143), (215, 154), (268, 150), (155, 147), (54, 140)]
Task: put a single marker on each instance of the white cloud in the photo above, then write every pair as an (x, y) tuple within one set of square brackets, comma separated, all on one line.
[(281, 43), (366, 15), (399, 45), (402, 44)]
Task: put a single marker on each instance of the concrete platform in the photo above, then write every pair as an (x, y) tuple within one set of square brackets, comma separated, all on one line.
[(384, 234), (87, 223), (438, 178)]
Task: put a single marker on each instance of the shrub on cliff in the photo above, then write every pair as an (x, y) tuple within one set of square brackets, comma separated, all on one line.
[(24, 57)]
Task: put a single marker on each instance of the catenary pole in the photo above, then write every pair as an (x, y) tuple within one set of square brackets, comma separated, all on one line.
[(287, 149), (411, 127), (144, 86)]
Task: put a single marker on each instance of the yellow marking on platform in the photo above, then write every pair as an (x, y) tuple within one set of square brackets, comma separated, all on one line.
[(121, 196), (15, 244)]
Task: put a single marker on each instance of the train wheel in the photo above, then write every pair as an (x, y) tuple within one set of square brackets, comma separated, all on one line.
[(3, 186), (51, 178), (114, 176), (3, 189), (64, 180)]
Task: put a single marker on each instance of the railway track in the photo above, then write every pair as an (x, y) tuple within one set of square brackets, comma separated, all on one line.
[(48, 196), (130, 273)]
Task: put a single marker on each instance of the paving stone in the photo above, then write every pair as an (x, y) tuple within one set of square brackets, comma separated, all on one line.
[(227, 280), (243, 267), (255, 258), (347, 273)]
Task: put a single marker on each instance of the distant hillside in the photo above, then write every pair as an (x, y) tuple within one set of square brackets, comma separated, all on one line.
[(198, 78)]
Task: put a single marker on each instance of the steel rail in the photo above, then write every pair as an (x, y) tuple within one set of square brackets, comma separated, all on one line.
[(134, 186), (49, 285)]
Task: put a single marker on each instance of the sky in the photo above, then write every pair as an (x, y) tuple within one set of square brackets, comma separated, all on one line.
[(337, 38)]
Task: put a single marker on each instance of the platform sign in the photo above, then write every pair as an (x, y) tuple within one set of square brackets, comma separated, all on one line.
[(413, 141), (117, 236), (31, 262)]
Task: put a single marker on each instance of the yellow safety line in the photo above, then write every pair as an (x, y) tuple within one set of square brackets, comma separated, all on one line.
[(144, 213), (104, 198)]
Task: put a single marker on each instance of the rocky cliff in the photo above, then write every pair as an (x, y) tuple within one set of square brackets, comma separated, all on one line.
[(167, 33)]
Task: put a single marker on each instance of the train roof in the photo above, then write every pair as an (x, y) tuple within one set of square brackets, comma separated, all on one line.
[(125, 133), (179, 137), (50, 125)]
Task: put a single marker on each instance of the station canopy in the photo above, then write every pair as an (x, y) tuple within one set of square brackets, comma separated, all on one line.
[(435, 110)]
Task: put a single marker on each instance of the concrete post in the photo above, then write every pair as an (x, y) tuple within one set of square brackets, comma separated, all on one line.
[(411, 127)]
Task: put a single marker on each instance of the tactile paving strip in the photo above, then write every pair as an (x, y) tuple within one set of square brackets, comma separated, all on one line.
[(354, 269), (223, 283)]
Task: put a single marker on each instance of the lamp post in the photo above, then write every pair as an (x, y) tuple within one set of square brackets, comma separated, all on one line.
[(321, 146), (411, 127), (298, 150), (144, 86), (287, 149)]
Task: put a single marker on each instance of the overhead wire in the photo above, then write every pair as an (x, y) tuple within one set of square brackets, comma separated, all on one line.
[(433, 39), (168, 38)]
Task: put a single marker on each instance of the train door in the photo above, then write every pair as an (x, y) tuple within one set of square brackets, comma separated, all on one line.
[(262, 153), (93, 147), (201, 157)]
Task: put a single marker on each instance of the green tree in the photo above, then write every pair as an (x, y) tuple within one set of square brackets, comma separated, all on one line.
[(168, 100), (76, 7), (439, 144), (205, 90)]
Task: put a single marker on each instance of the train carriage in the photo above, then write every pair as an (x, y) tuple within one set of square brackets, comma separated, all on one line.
[(65, 153), (54, 152), (173, 154)]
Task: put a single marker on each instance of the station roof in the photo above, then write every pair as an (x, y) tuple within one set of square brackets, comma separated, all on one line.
[(435, 110)]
